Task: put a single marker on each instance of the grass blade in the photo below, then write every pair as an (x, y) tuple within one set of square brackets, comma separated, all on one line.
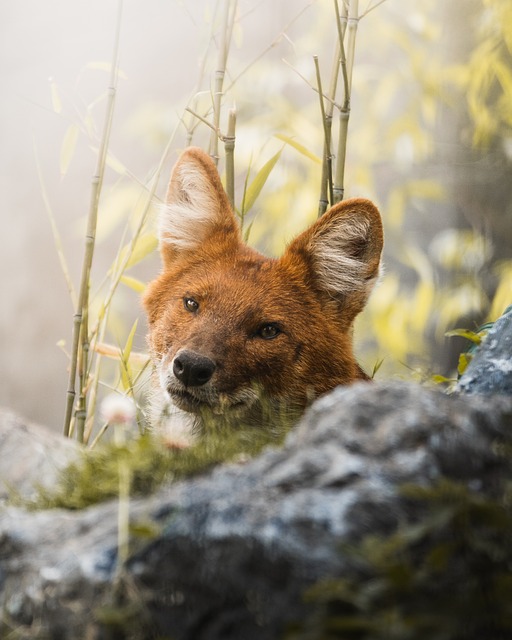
[(55, 231), (56, 101), (254, 189), (464, 333), (131, 255), (68, 147), (298, 147), (133, 283)]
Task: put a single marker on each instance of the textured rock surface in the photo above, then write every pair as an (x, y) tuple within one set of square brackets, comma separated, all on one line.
[(30, 456), (490, 370), (236, 548)]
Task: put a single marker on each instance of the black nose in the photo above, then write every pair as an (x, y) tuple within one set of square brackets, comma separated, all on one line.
[(192, 369)]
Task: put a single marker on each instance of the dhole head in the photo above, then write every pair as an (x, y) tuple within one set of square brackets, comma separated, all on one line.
[(229, 327)]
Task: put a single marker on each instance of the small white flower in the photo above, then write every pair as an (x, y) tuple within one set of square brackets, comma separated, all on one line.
[(118, 409)]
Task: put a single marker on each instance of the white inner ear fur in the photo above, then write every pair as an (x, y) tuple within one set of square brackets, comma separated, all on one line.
[(339, 271), (185, 220)]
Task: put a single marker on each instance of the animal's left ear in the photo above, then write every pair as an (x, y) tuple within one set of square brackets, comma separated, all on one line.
[(341, 252)]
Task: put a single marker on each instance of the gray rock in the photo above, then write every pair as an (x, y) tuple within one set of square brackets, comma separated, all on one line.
[(30, 456), (490, 370), (237, 547)]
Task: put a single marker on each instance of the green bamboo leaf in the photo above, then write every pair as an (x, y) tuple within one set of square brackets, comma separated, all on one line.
[(133, 283), (56, 102), (242, 211), (68, 147), (247, 232), (129, 341), (126, 373), (504, 76), (298, 147), (378, 364), (464, 360), (145, 530), (254, 189), (126, 378), (115, 207), (89, 123), (112, 162), (115, 164), (439, 379), (104, 66), (145, 245), (465, 333)]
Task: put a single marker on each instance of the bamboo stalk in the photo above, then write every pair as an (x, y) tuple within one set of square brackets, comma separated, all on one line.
[(326, 179), (311, 86), (339, 182), (95, 377), (82, 296), (193, 100), (353, 22), (343, 17), (99, 329), (116, 277), (326, 186), (326, 183), (346, 64), (199, 117), (219, 76), (341, 24), (229, 149), (83, 360), (192, 104), (96, 184)]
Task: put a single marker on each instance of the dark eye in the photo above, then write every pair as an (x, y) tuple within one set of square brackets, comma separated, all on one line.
[(268, 331), (190, 304)]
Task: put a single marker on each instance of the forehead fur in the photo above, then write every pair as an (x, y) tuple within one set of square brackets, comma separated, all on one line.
[(247, 280)]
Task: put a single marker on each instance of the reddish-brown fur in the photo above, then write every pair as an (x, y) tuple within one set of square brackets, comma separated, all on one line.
[(216, 298)]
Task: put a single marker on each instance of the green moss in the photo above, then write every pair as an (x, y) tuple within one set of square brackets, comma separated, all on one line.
[(444, 576), (94, 477)]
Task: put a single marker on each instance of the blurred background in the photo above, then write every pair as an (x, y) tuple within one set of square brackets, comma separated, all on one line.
[(430, 141)]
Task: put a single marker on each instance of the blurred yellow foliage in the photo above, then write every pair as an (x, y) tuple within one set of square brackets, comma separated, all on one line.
[(489, 89), (402, 82), (503, 296)]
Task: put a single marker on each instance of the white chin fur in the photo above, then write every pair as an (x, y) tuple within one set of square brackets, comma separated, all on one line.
[(175, 427)]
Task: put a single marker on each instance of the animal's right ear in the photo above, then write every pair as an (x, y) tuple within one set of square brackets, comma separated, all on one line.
[(196, 207)]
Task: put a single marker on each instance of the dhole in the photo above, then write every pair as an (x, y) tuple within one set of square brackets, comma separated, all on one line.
[(231, 332)]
